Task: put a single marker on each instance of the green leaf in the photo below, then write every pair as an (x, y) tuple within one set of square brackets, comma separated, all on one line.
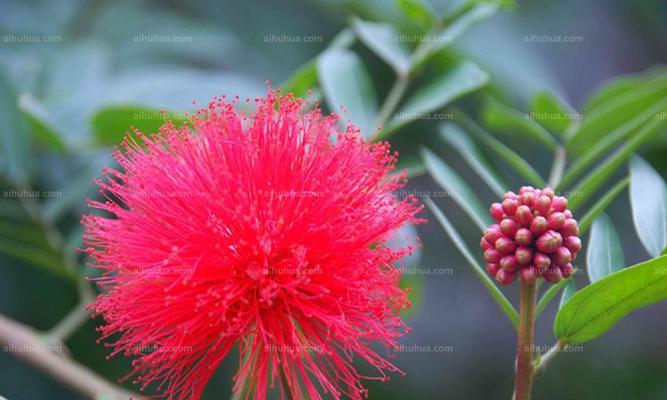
[(549, 295), (648, 197), (420, 13), (447, 86), (413, 162), (14, 137), (605, 254), (609, 141), (42, 133), (345, 82), (588, 186), (597, 123), (499, 117), (552, 113), (383, 40), (493, 290), (601, 205), (449, 34), (111, 123), (521, 166), (456, 187), (568, 292), (618, 87), (478, 161), (596, 308), (302, 80)]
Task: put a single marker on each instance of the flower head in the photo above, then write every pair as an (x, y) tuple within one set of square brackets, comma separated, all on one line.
[(262, 229), (535, 236)]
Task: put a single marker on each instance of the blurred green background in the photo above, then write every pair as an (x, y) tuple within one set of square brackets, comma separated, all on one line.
[(79, 69)]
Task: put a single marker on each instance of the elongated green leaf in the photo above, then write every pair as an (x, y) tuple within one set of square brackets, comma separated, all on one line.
[(495, 293), (477, 13), (384, 41), (355, 92), (619, 86), (553, 113), (302, 80), (568, 292), (455, 187), (418, 12), (614, 113), (111, 123), (549, 295), (14, 137), (42, 133), (521, 166), (501, 118), (648, 197), (596, 308), (588, 186), (605, 254), (478, 161), (601, 205), (39, 257)]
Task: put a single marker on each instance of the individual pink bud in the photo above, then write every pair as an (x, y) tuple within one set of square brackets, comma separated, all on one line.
[(539, 225), (492, 269), (508, 263), (562, 256), (527, 199), (484, 244), (524, 237), (523, 255), (496, 211), (547, 191), (568, 213), (542, 205), (528, 274), (569, 228), (505, 245), (510, 205), (491, 255), (559, 203), (573, 243), (510, 195), (505, 277), (549, 242), (526, 189), (567, 270), (492, 233), (508, 227), (556, 220), (523, 215), (553, 275), (541, 261)]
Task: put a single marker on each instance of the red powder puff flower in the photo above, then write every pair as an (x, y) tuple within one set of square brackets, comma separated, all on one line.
[(265, 229)]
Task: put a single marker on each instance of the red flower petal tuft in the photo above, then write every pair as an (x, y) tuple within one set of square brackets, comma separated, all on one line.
[(265, 229)]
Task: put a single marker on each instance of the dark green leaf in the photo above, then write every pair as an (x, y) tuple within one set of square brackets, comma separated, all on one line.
[(605, 254), (345, 82), (501, 118), (42, 133), (596, 308), (384, 41), (111, 123), (552, 113), (418, 12), (648, 197), (14, 137), (618, 87), (456, 187), (302, 80), (568, 292)]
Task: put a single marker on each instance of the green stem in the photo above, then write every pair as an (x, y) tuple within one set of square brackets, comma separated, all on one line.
[(547, 357), (393, 99), (558, 166), (525, 342)]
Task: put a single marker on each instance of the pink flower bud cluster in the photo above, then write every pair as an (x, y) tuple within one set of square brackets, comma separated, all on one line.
[(535, 237)]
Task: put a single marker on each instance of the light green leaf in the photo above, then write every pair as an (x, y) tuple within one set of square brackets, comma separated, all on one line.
[(589, 185), (596, 308), (521, 166), (552, 113), (619, 86), (42, 133), (456, 187), (345, 82), (302, 80), (568, 292), (384, 41), (648, 197), (14, 137), (605, 254), (111, 123), (477, 160), (418, 12), (501, 118), (601, 205), (493, 290)]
